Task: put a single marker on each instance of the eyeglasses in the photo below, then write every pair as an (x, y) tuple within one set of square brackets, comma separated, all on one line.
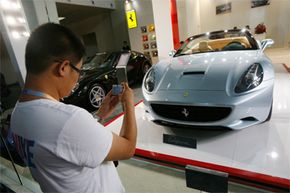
[(81, 73), (75, 68)]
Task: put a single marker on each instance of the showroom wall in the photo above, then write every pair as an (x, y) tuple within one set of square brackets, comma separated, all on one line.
[(144, 15), (41, 11), (189, 18), (119, 25), (101, 25), (276, 17), (288, 40), (6, 67), (109, 26)]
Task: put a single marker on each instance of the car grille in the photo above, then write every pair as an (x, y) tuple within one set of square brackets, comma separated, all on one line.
[(191, 113)]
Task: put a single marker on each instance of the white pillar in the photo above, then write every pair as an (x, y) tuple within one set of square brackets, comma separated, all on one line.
[(163, 27)]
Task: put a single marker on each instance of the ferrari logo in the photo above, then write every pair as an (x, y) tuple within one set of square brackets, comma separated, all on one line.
[(186, 93), (131, 19), (185, 112)]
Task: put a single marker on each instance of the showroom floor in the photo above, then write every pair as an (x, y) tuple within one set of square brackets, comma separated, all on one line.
[(139, 175)]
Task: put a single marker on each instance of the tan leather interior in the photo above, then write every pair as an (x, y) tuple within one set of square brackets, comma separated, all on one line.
[(219, 44), (204, 47)]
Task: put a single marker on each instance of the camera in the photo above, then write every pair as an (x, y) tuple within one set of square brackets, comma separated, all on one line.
[(121, 74), (117, 89)]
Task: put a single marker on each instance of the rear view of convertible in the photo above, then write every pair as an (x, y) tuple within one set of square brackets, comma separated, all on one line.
[(222, 78)]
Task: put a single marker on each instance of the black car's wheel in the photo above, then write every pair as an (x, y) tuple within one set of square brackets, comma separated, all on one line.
[(97, 94)]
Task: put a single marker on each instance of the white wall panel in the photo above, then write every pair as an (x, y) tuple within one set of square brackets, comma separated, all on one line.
[(188, 18), (276, 17), (144, 14)]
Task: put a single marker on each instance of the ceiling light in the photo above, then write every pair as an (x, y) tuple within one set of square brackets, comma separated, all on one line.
[(25, 34), (15, 34), (5, 4), (21, 20), (15, 6), (274, 155), (11, 20)]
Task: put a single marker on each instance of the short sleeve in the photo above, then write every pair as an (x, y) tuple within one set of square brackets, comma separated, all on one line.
[(83, 141)]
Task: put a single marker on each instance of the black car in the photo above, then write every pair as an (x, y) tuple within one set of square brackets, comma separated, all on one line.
[(99, 74)]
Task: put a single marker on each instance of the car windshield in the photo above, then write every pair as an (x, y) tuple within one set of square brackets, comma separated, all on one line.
[(231, 40), (100, 60)]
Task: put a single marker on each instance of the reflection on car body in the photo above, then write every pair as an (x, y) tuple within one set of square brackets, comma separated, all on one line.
[(100, 74), (221, 78)]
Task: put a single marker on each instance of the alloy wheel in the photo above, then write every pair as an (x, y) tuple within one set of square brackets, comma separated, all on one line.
[(96, 96)]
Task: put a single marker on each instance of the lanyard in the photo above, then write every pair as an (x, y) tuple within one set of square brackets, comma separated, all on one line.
[(37, 93)]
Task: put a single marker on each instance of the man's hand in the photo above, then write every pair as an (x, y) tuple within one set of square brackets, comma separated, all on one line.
[(123, 146), (108, 105), (127, 95)]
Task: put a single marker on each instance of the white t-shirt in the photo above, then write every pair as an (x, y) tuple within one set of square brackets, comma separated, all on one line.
[(64, 147)]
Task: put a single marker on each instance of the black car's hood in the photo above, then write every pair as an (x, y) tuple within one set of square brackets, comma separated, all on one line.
[(94, 73)]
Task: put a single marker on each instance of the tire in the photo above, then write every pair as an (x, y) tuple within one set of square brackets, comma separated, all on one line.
[(96, 96)]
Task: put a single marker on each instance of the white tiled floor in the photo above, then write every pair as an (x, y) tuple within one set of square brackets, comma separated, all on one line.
[(143, 177)]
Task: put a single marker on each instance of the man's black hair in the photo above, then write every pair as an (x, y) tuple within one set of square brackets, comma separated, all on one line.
[(52, 42)]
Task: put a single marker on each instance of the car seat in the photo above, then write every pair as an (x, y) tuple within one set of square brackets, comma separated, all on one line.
[(235, 45), (204, 47)]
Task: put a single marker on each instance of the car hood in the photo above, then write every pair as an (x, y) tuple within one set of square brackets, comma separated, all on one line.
[(205, 71), (94, 73)]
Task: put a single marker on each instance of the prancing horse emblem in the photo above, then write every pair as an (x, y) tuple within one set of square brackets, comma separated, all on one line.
[(185, 112), (186, 93)]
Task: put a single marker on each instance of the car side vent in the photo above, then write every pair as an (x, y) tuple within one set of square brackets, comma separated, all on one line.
[(249, 119), (193, 73)]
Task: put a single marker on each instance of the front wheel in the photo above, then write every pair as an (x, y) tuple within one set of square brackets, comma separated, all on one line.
[(96, 96)]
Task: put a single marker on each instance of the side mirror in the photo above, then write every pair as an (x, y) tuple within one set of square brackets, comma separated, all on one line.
[(266, 43), (171, 53)]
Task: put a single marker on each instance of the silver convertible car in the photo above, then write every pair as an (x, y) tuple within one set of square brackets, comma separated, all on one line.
[(220, 79)]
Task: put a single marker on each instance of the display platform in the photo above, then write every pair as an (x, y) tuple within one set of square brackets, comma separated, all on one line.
[(260, 154)]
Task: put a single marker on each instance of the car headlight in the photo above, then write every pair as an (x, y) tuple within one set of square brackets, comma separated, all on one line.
[(149, 82), (250, 79)]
